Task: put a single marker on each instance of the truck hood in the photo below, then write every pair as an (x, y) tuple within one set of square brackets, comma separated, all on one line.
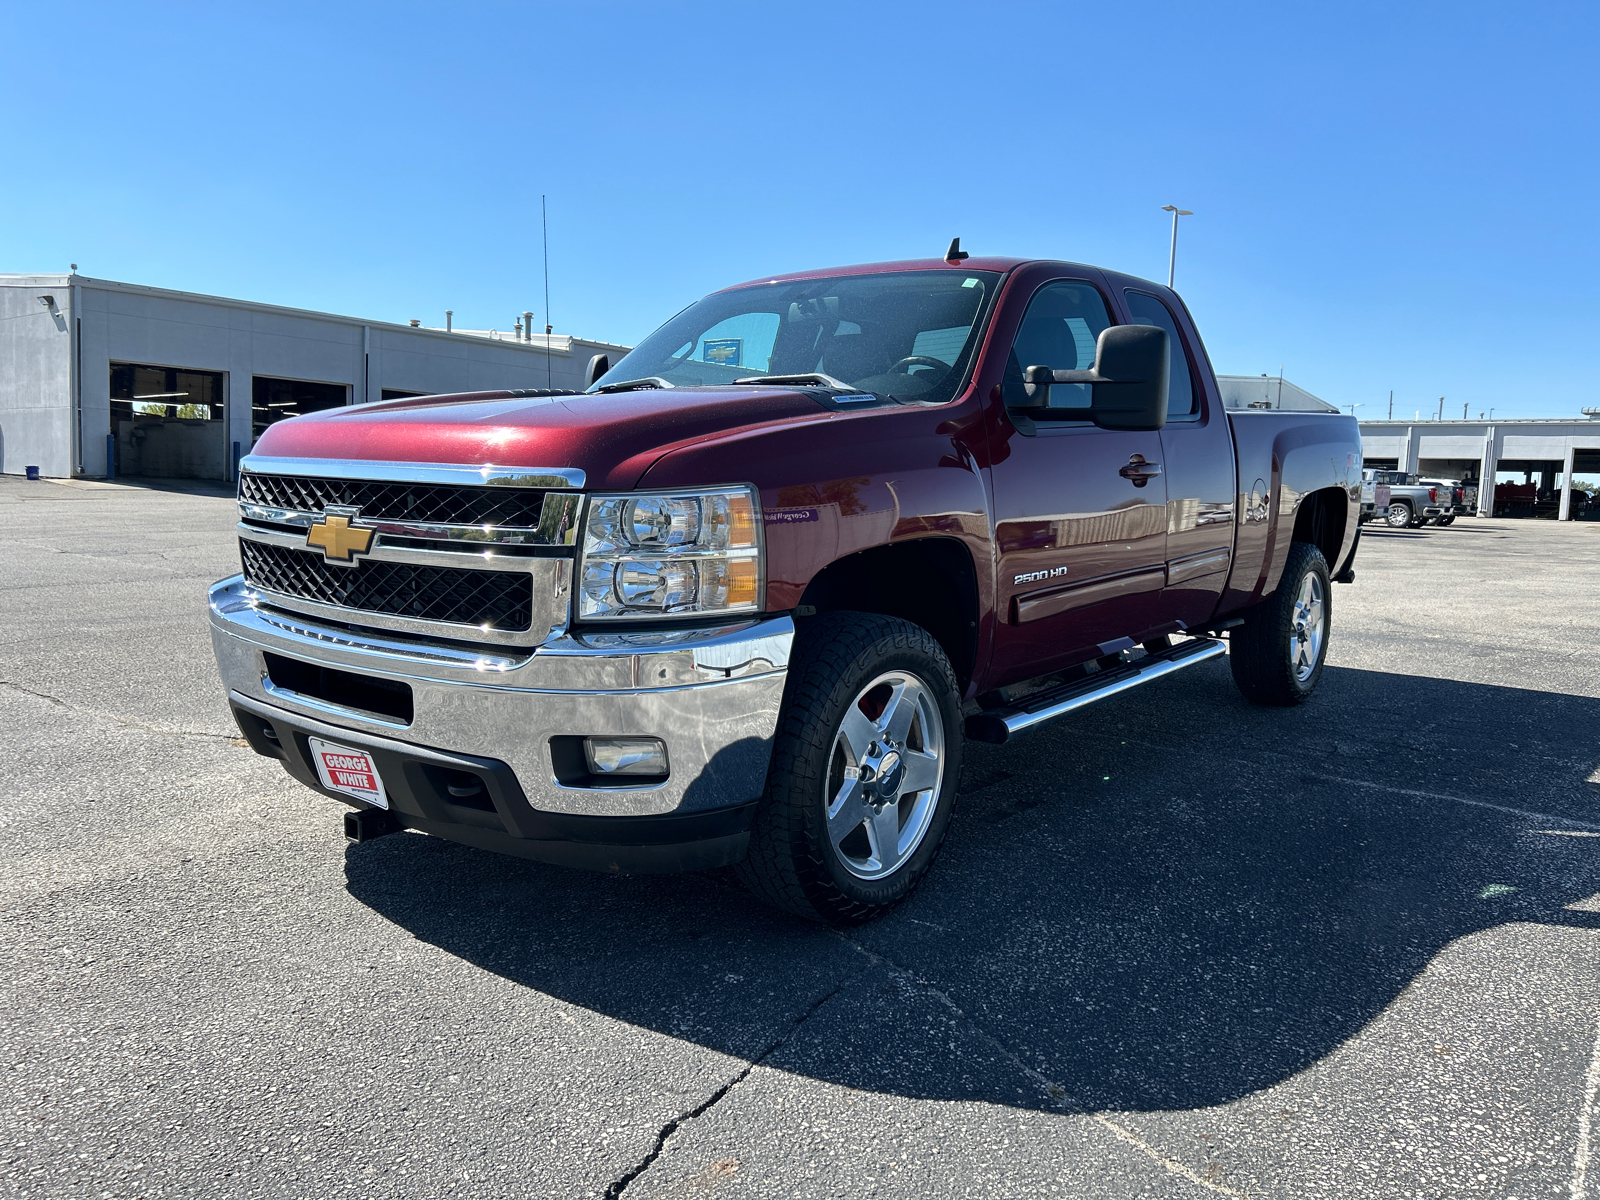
[(613, 438)]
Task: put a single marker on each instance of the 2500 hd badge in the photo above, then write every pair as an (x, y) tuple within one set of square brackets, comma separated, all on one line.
[(1035, 576)]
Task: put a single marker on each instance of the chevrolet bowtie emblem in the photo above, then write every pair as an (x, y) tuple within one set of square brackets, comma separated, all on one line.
[(338, 539)]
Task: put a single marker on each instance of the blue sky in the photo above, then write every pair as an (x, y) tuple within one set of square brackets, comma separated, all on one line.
[(1386, 196)]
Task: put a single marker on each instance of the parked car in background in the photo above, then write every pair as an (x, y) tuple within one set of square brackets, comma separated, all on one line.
[(1412, 503), (1452, 499), (1375, 495)]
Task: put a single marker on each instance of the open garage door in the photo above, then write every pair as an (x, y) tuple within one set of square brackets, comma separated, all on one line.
[(275, 399), (1585, 485), (168, 422)]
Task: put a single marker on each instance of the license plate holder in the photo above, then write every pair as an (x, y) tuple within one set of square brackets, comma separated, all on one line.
[(348, 770)]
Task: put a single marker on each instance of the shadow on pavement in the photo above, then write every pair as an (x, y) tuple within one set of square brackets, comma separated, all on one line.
[(1163, 923), (186, 487)]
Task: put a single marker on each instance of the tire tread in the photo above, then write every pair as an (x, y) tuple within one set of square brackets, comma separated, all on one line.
[(1257, 650), (782, 865)]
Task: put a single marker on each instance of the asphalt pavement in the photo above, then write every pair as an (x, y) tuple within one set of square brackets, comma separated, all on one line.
[(1175, 945)]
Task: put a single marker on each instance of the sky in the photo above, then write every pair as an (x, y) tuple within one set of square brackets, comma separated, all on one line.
[(1386, 197)]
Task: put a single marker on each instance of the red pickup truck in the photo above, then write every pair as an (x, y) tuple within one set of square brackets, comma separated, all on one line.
[(742, 600)]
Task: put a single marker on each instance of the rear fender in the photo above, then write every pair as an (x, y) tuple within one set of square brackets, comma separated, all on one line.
[(1280, 464)]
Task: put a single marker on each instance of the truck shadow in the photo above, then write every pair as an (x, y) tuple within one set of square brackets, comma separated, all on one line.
[(1167, 902)]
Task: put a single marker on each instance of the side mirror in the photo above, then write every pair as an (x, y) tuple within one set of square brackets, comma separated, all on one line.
[(598, 366), (1128, 381)]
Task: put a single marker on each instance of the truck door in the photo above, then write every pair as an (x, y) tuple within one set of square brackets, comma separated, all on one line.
[(1080, 512), (1197, 462)]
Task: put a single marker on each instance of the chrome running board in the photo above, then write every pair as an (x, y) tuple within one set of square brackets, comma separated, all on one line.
[(1001, 724)]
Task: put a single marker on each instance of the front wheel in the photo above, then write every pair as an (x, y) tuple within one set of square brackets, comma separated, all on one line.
[(864, 770), (1399, 515), (1278, 653)]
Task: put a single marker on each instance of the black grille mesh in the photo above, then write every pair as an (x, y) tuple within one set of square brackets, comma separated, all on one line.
[(442, 504), (501, 599)]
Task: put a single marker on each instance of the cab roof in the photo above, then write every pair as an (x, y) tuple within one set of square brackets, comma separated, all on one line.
[(975, 263), (909, 264)]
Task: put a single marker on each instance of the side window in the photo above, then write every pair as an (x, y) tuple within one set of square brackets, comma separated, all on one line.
[(1059, 331), (1148, 310)]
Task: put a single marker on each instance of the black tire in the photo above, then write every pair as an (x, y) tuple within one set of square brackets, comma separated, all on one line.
[(1450, 520), (1400, 515), (1262, 651), (793, 862)]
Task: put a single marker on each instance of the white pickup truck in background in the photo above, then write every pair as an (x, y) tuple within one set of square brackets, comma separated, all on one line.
[(1375, 495)]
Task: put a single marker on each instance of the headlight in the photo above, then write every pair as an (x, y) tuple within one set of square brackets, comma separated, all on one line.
[(658, 555)]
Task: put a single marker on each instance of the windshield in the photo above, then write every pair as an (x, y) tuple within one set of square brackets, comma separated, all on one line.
[(906, 334)]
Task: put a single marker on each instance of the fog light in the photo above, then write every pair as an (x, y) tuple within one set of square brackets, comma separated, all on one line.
[(625, 756)]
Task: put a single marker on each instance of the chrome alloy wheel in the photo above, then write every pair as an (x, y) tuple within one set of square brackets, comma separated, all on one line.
[(884, 774), (1310, 627)]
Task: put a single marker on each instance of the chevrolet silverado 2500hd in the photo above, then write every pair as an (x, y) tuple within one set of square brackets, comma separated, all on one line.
[(742, 600)]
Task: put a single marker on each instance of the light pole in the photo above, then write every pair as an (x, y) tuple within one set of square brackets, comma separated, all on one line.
[(1353, 408), (1172, 259)]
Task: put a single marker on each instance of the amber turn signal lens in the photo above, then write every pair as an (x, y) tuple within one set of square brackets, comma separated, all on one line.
[(741, 523), (742, 581)]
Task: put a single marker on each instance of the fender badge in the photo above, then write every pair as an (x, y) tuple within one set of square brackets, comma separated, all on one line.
[(336, 537)]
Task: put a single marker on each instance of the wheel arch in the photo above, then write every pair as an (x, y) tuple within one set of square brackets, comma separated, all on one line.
[(1321, 519), (930, 581)]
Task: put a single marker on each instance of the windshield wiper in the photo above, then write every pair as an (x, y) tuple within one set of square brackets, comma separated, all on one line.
[(814, 379), (633, 385)]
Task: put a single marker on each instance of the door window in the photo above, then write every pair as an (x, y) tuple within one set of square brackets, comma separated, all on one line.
[(1059, 331), (1149, 310)]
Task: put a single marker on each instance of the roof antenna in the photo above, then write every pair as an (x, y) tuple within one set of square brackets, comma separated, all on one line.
[(955, 254), (544, 221)]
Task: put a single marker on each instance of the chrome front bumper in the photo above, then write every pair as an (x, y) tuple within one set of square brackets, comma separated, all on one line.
[(711, 694)]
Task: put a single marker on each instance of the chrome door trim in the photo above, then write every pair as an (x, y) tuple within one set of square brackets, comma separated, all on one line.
[(488, 475), (1207, 562)]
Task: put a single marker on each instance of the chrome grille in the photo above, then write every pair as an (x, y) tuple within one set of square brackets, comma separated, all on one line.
[(424, 503), (502, 600)]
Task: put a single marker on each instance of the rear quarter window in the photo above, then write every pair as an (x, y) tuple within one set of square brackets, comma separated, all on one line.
[(1149, 310)]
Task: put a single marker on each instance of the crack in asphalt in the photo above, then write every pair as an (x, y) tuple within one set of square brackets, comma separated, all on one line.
[(116, 718), (1055, 1094), (621, 1184)]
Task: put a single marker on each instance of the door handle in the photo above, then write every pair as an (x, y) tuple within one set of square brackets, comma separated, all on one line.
[(1140, 471)]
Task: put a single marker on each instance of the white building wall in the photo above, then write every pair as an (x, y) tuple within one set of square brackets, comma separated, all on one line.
[(1241, 391), (35, 377), (427, 360), (128, 323)]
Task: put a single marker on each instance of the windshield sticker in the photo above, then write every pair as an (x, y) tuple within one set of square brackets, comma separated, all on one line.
[(725, 352), (789, 516), (969, 283)]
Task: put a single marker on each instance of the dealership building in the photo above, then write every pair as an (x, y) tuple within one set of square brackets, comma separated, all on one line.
[(101, 378), (1528, 466)]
